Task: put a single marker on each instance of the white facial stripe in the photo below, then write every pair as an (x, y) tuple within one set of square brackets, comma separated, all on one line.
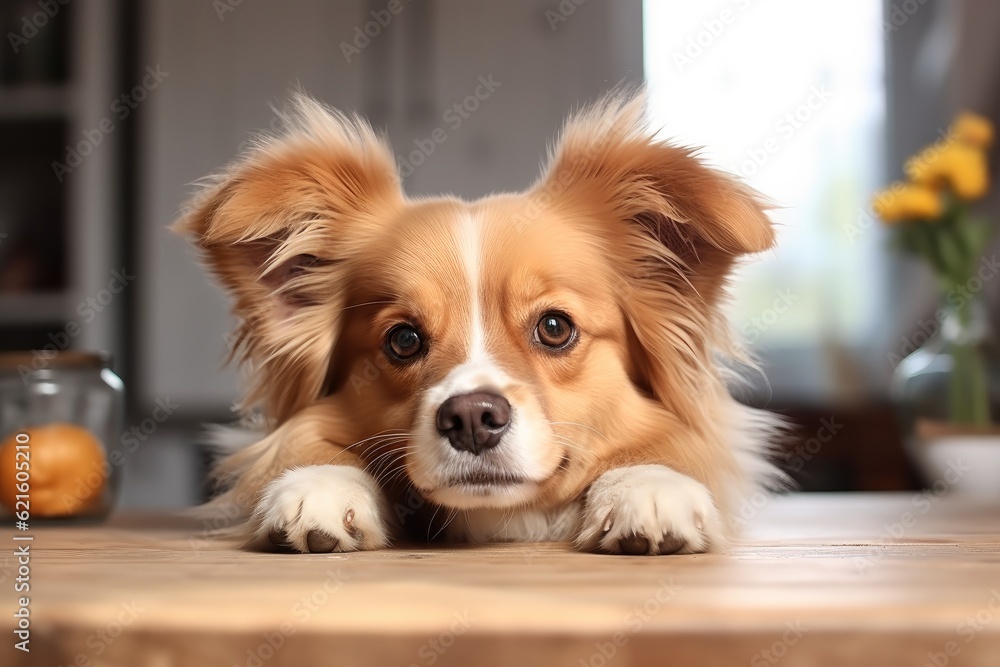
[(468, 237), (479, 371), (520, 453)]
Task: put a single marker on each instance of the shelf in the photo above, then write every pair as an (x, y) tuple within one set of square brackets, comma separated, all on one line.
[(34, 101)]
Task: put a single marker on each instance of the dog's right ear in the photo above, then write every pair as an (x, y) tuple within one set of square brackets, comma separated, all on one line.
[(278, 228)]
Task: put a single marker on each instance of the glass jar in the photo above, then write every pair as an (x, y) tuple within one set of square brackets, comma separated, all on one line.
[(947, 396), (61, 417)]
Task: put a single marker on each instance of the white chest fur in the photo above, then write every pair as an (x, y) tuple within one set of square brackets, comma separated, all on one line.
[(516, 525)]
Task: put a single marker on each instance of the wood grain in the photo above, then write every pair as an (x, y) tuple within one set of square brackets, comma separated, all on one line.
[(819, 580)]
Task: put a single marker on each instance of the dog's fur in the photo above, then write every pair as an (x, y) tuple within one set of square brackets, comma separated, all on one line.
[(627, 441)]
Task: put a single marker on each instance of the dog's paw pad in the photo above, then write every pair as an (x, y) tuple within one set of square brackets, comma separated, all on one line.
[(279, 539), (634, 545), (649, 510), (323, 509), (320, 542), (670, 544)]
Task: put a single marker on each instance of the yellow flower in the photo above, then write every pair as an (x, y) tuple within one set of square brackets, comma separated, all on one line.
[(926, 166), (960, 165), (972, 129), (907, 201), (967, 171)]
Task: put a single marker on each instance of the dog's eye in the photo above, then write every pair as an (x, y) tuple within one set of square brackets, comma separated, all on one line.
[(555, 330), (403, 342)]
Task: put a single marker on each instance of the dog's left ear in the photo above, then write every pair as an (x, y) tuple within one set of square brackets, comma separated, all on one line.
[(672, 226), (279, 228)]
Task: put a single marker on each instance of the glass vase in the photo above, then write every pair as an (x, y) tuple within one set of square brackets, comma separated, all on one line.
[(947, 397)]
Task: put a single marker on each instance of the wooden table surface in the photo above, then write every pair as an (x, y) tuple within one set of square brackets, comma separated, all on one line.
[(886, 580)]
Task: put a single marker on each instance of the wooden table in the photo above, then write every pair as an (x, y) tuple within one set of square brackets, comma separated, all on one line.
[(820, 580)]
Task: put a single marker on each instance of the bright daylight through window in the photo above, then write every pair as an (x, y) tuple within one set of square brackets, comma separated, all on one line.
[(799, 119)]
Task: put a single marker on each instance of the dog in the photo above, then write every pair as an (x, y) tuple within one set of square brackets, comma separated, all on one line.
[(549, 365)]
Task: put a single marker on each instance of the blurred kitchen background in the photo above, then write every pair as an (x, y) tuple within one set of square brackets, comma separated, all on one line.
[(110, 110)]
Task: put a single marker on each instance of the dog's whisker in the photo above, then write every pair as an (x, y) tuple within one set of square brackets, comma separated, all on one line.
[(451, 519), (373, 463), (381, 434), (430, 524), (388, 433), (404, 469), (374, 439), (390, 478), (566, 438), (395, 476), (510, 517), (447, 522), (391, 466), (590, 428), (396, 468), (376, 446), (573, 445)]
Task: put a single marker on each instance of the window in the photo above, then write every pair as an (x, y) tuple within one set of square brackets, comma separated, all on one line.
[(789, 96)]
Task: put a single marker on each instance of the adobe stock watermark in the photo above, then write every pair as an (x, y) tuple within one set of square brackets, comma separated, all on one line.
[(93, 479), (567, 177), (755, 327), (227, 515), (955, 297), (121, 108), (866, 218), (432, 650), (98, 641), (898, 14), (635, 620), (561, 13), (454, 117), (922, 503), (793, 634), (88, 310), (302, 610), (967, 630), (709, 32), (785, 129), (804, 452), (411, 504), (795, 460), (363, 35), (223, 7), (32, 24), (369, 372)]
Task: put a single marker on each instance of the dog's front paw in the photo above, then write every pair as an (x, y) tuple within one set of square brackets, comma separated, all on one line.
[(649, 510), (319, 509)]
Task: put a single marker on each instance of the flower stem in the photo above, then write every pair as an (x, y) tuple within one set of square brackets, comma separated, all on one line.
[(967, 396)]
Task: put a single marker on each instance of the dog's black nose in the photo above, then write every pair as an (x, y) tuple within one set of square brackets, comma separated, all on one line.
[(474, 422)]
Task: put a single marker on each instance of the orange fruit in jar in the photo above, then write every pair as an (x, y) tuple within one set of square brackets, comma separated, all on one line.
[(67, 469)]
